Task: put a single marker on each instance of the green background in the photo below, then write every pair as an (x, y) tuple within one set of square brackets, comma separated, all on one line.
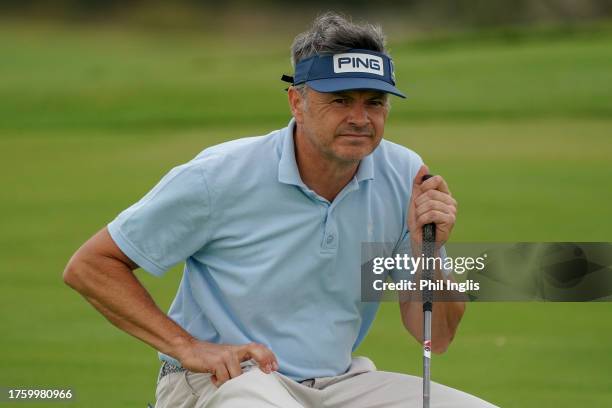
[(519, 123)]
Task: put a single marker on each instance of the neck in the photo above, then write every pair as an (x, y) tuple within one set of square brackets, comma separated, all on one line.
[(321, 173)]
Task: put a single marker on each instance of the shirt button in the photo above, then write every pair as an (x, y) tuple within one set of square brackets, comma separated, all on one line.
[(330, 239)]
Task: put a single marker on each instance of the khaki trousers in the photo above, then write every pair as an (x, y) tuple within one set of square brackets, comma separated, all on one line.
[(362, 386)]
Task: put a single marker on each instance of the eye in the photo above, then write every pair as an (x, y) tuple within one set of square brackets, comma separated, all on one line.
[(376, 102), (340, 101)]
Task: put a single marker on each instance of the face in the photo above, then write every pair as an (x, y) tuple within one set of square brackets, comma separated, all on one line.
[(343, 127)]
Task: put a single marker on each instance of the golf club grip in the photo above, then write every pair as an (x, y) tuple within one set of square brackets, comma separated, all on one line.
[(429, 246)]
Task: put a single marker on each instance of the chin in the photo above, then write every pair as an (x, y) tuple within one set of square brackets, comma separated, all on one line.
[(353, 154)]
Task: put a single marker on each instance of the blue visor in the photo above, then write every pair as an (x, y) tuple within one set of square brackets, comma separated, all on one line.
[(353, 69)]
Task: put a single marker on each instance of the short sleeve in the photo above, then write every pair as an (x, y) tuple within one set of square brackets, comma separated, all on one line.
[(169, 223)]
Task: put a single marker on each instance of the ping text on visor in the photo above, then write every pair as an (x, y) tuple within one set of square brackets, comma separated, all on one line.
[(350, 70)]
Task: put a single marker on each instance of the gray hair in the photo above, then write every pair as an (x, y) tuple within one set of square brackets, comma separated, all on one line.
[(332, 33)]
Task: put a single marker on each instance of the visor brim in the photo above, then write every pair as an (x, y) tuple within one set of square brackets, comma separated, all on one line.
[(351, 84)]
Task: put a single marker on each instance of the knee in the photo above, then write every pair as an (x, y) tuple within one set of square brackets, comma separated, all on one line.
[(443, 396), (394, 385)]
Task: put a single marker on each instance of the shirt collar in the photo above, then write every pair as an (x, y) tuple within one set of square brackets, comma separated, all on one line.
[(366, 168), (289, 173)]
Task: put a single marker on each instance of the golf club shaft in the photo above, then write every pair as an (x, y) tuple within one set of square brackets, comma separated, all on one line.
[(429, 246), (426, 358)]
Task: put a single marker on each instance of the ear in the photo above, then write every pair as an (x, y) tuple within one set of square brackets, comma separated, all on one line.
[(296, 104)]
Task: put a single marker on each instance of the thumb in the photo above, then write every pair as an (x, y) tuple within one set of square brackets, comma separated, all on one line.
[(423, 170), (418, 180), (261, 354), (416, 191)]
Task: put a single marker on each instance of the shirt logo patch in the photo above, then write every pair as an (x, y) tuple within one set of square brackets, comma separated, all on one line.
[(357, 62)]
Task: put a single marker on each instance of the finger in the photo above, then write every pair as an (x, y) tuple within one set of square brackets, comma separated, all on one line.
[(434, 205), (435, 183), (261, 354), (437, 217), (220, 375), (437, 196), (233, 366)]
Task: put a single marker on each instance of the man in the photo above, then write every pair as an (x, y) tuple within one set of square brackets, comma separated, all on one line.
[(268, 310)]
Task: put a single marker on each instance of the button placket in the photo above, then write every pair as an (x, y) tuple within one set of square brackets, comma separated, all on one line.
[(330, 237)]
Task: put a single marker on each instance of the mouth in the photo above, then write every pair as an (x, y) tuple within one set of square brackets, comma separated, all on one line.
[(355, 135)]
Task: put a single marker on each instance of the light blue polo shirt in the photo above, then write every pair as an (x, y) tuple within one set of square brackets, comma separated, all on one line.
[(267, 260)]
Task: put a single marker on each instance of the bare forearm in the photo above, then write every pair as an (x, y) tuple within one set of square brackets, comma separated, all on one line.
[(112, 288), (445, 320), (446, 312), (102, 273)]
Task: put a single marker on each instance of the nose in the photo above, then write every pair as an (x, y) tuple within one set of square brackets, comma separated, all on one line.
[(358, 114)]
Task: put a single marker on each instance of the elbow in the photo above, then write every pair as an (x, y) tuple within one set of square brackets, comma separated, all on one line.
[(73, 273), (439, 348), (70, 275), (442, 345)]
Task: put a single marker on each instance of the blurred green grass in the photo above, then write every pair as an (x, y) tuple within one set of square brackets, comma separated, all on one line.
[(113, 80), (91, 118)]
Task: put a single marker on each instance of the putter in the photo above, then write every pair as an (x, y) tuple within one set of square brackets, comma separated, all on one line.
[(429, 246)]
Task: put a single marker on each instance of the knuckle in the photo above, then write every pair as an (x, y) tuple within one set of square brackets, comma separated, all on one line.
[(419, 211)]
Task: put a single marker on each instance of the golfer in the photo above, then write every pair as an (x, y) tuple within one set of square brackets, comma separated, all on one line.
[(270, 228)]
